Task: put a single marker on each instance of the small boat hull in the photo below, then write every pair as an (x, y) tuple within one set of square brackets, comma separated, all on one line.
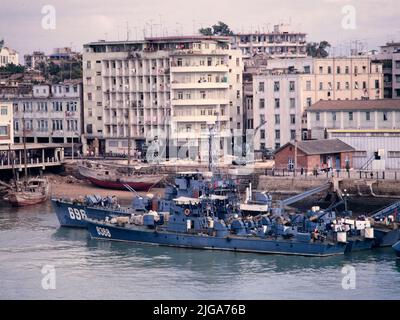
[(105, 231), (116, 185), (386, 237), (396, 248), (18, 199), (110, 179), (359, 245)]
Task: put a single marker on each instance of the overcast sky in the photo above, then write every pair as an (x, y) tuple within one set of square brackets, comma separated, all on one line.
[(82, 21)]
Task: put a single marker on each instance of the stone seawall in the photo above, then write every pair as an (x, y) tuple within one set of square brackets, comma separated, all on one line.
[(389, 188)]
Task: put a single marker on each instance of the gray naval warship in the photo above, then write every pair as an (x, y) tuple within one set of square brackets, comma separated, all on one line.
[(204, 211)]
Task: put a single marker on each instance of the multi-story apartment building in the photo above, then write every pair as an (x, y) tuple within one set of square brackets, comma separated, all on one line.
[(50, 114), (33, 60), (177, 88), (6, 123), (283, 91), (372, 127), (390, 58), (8, 55), (280, 43)]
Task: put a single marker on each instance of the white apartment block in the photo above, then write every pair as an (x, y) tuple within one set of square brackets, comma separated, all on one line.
[(389, 56), (51, 114), (8, 56), (6, 123), (370, 126), (279, 43), (178, 88), (283, 91)]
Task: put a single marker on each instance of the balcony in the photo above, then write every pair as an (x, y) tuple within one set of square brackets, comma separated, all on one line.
[(198, 68), (199, 102), (200, 85)]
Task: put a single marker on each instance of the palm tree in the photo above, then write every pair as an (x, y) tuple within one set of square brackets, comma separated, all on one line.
[(318, 50)]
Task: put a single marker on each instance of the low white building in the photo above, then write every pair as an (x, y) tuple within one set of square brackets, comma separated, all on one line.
[(8, 56), (50, 114), (372, 127), (6, 123)]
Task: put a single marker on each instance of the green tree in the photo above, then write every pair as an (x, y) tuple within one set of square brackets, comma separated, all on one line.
[(220, 29), (12, 68), (318, 50)]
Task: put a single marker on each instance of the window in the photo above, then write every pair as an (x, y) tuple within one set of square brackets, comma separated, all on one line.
[(321, 70), (180, 95), (309, 102), (292, 134), (3, 131), (394, 154), (261, 87), (292, 86), (262, 103), (292, 103), (350, 116), (338, 69), (277, 119), (367, 116), (376, 84), (347, 70), (188, 96), (277, 103), (385, 116), (89, 129), (277, 134), (292, 119), (57, 125), (89, 96), (356, 85), (238, 110), (203, 95), (262, 134), (333, 116), (237, 62), (338, 85), (317, 116), (364, 85), (238, 94), (276, 86), (329, 70), (360, 154), (262, 146), (308, 85), (347, 85), (88, 65), (356, 70), (90, 112), (321, 86), (4, 111)]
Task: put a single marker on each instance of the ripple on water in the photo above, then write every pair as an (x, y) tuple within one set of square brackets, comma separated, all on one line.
[(89, 269)]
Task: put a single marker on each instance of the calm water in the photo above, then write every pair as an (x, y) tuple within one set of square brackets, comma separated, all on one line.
[(30, 238)]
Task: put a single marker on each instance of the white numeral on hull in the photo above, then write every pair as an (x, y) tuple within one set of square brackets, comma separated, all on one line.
[(104, 232), (76, 214)]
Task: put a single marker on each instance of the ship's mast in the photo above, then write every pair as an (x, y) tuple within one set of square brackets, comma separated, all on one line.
[(24, 140), (129, 138), (12, 164)]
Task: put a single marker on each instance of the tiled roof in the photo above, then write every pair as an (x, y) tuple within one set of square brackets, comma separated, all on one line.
[(355, 105), (328, 146)]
